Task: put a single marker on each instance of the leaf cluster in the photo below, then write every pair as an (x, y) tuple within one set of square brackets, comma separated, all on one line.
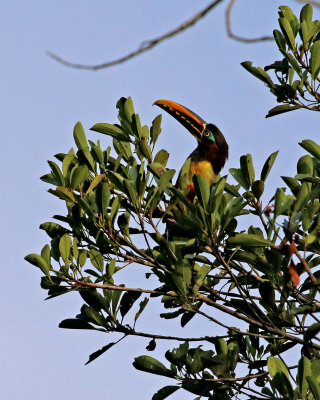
[(124, 213), (295, 81)]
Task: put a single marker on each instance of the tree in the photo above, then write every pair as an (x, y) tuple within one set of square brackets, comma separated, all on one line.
[(262, 277)]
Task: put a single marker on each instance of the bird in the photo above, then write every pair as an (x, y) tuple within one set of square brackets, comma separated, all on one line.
[(212, 151)]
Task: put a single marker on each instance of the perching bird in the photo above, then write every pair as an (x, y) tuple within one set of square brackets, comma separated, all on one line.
[(210, 156)]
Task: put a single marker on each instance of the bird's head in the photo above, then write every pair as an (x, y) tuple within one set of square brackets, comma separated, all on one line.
[(205, 133)]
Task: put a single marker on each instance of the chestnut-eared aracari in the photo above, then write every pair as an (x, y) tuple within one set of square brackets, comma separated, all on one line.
[(210, 156)]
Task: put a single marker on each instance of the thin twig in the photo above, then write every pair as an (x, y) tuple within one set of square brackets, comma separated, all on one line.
[(236, 37), (306, 265), (145, 46)]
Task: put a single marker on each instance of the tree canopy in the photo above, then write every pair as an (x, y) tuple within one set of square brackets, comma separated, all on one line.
[(246, 264)]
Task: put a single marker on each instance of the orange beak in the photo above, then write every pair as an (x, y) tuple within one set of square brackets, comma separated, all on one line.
[(190, 120)]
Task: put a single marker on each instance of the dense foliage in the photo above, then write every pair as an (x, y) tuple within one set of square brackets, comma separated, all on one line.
[(124, 212), (297, 74)]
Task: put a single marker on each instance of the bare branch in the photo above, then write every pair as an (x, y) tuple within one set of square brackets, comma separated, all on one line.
[(236, 37), (144, 46)]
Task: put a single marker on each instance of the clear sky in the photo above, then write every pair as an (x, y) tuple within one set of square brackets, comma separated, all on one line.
[(42, 100)]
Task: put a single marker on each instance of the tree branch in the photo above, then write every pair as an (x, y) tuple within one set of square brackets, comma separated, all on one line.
[(144, 46), (236, 37)]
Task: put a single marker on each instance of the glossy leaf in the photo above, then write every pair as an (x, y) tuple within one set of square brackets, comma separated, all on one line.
[(96, 181), (127, 301), (162, 157), (248, 240), (65, 247), (98, 353), (315, 59), (268, 165), (165, 392), (281, 109), (96, 259), (314, 387), (311, 147), (304, 370), (111, 130), (73, 323), (39, 262), (79, 136), (155, 128), (287, 32), (151, 365), (80, 174)]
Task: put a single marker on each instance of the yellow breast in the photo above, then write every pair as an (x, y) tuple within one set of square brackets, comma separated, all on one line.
[(203, 168)]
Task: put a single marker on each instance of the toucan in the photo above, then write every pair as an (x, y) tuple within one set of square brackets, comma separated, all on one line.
[(212, 151)]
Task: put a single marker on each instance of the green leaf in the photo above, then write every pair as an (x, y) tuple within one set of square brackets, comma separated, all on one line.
[(304, 370), (46, 254), (221, 347), (129, 108), (115, 208), (111, 130), (258, 73), (275, 365), (79, 175), (306, 13), (142, 306), (267, 293), (281, 109), (67, 161), (56, 173), (312, 331), (182, 274), (80, 136), (315, 369), (63, 194), (53, 230), (311, 147), (165, 392), (155, 128), (280, 40), (153, 366), (202, 189), (74, 323), (98, 353), (94, 299), (248, 240), (239, 177), (258, 188), (39, 262), (301, 199), (127, 301), (145, 149), (315, 59), (247, 169), (96, 180), (184, 173), (162, 157), (314, 387), (92, 315), (65, 247), (268, 165), (96, 259), (131, 191), (233, 354), (305, 165), (287, 32)]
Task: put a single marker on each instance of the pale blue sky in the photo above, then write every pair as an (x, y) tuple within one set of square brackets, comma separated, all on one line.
[(42, 100)]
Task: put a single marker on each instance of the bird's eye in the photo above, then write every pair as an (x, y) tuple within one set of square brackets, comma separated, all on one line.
[(207, 133)]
